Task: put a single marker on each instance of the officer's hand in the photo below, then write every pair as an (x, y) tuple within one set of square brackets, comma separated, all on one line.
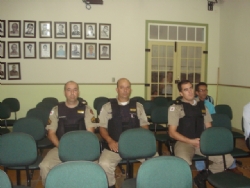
[(195, 142), (113, 145)]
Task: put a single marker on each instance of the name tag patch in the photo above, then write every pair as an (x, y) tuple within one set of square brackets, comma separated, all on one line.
[(80, 111)]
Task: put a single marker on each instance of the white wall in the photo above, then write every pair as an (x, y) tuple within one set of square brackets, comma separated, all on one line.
[(128, 36)]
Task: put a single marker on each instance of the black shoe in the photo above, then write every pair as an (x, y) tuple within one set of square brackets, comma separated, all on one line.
[(113, 186), (201, 178)]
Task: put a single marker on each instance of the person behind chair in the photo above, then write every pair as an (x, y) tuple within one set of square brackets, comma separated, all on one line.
[(204, 92), (186, 119), (116, 116), (67, 116)]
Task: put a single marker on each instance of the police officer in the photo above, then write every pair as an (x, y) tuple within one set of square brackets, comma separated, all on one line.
[(115, 117), (66, 116), (186, 119)]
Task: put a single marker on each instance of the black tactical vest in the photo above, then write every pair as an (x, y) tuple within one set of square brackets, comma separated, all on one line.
[(70, 119), (192, 124)]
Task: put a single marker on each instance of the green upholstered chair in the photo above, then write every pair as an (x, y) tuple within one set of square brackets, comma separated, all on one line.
[(161, 101), (138, 99), (162, 171), (45, 105), (18, 150), (137, 143), (4, 180), (98, 102), (4, 115), (77, 174), (13, 104), (148, 106), (51, 100), (79, 145), (216, 141)]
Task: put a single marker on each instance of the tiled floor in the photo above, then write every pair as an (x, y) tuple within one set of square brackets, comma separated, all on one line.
[(36, 181)]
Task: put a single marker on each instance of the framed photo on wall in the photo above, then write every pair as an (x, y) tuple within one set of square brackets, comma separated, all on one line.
[(2, 49), (60, 29), (45, 29), (75, 50), (29, 29), (90, 30), (2, 28), (14, 50), (14, 71), (104, 51), (3, 70), (76, 30), (14, 28), (29, 50), (90, 51), (60, 50), (104, 31), (45, 50)]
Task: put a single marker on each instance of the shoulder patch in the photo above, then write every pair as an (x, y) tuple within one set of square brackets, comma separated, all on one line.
[(172, 108), (93, 119), (51, 112)]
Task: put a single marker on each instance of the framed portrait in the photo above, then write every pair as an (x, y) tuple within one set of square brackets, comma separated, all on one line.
[(75, 50), (29, 50), (45, 50), (104, 31), (2, 49), (45, 29), (90, 30), (14, 28), (3, 70), (76, 30), (29, 29), (90, 51), (14, 71), (60, 50), (60, 29), (14, 50), (2, 28), (104, 51)]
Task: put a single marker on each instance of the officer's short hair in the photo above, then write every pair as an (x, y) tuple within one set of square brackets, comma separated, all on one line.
[(182, 82)]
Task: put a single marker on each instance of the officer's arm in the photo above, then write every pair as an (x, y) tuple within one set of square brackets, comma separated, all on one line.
[(145, 126), (208, 125), (53, 138), (113, 145), (91, 129)]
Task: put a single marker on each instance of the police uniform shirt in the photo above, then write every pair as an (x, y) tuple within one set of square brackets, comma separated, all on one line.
[(106, 114), (53, 118), (175, 112), (246, 120)]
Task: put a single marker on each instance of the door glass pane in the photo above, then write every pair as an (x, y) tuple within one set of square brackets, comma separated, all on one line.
[(153, 32), (154, 64), (154, 51), (154, 89), (162, 64), (183, 69), (183, 52), (170, 64), (170, 51), (173, 32), (162, 52), (154, 77), (190, 52), (181, 33), (200, 34), (163, 32), (191, 34), (198, 52)]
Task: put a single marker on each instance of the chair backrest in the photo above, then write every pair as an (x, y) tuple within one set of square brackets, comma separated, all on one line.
[(137, 143), (45, 105), (77, 174), (79, 145), (13, 103), (39, 113), (17, 149), (4, 111), (148, 106), (221, 120), (52, 100), (164, 171), (216, 141), (99, 101), (31, 126), (138, 99), (161, 101), (160, 115), (4, 180), (224, 109)]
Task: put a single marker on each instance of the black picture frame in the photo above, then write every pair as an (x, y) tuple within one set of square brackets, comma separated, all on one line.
[(2, 49), (60, 29), (75, 50), (90, 51), (14, 71), (104, 31), (90, 31), (60, 50), (2, 28), (76, 30), (14, 28), (29, 29), (105, 51), (45, 50), (14, 49), (45, 29), (3, 70), (29, 50)]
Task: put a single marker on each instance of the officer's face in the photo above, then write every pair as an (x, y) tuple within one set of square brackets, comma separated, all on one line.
[(202, 92), (187, 92), (123, 90), (71, 92)]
